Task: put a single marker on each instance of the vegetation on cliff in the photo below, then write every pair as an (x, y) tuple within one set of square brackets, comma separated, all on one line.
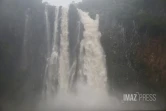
[(133, 36)]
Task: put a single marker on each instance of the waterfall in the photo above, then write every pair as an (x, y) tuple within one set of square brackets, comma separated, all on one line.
[(64, 55), (75, 63), (94, 65), (51, 73), (24, 61), (47, 30), (87, 73)]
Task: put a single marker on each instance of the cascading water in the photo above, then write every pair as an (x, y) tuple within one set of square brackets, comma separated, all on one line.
[(24, 61), (47, 30), (51, 77), (64, 54), (94, 58), (75, 64), (88, 66)]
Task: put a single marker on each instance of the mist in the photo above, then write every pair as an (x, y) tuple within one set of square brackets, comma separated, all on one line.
[(83, 55)]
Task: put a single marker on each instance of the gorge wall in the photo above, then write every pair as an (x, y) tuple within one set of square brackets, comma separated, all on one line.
[(133, 37), (22, 19)]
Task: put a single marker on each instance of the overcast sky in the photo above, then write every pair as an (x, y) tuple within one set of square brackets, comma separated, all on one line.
[(61, 2)]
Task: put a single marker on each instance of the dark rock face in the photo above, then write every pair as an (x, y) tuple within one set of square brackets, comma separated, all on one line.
[(51, 16), (76, 29), (20, 84), (73, 32), (133, 34), (133, 38), (152, 55)]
